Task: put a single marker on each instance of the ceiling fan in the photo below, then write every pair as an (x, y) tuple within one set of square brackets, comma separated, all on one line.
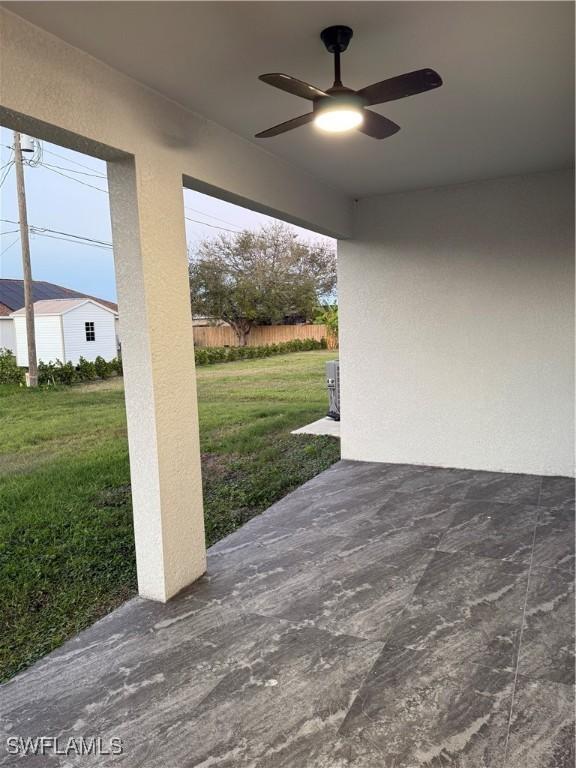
[(339, 109)]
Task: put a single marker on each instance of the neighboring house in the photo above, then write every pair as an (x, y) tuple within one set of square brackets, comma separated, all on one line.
[(12, 300), (12, 294), (201, 321), (67, 329)]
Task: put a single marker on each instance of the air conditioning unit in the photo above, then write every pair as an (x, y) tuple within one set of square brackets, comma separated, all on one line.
[(333, 384)]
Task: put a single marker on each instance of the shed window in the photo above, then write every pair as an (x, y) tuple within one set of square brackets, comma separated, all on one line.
[(90, 332)]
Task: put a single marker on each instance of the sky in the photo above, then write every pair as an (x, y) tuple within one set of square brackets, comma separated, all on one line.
[(67, 193)]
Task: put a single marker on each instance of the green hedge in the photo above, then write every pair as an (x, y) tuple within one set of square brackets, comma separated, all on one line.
[(68, 373), (58, 372), (209, 355)]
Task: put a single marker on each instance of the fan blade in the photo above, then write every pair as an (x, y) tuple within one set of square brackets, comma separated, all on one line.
[(292, 85), (296, 122), (377, 126), (398, 87)]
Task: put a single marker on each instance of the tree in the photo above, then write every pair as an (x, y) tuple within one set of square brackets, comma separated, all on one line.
[(327, 315), (260, 278)]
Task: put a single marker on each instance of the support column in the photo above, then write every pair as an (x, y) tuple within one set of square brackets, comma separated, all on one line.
[(149, 238)]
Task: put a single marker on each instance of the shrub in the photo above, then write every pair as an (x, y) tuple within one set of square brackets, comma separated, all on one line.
[(65, 372), (46, 373), (116, 365), (86, 370), (201, 356), (10, 373), (209, 355), (56, 373), (233, 353), (102, 368)]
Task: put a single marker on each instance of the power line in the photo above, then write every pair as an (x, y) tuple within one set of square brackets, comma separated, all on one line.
[(47, 231), (7, 164), (78, 239), (8, 167), (70, 160), (210, 216), (40, 230), (84, 183), (72, 170), (205, 224), (9, 246), (75, 241)]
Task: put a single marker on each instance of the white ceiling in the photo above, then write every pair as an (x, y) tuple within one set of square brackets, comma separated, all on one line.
[(506, 107)]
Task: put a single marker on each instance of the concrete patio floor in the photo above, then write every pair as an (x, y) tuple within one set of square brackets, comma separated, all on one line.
[(324, 426), (381, 616)]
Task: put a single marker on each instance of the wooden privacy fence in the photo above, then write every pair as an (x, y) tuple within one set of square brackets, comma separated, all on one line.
[(260, 335)]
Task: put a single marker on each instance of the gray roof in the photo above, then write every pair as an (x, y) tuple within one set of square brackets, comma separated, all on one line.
[(12, 294)]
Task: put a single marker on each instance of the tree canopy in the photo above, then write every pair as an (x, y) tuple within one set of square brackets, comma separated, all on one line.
[(260, 278)]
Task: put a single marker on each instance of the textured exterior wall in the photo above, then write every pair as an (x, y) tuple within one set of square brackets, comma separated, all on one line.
[(158, 363), (457, 327), (75, 344)]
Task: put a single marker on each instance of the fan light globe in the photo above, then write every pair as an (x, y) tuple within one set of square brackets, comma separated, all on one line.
[(339, 120)]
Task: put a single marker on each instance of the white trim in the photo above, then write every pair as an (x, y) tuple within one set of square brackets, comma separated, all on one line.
[(21, 311)]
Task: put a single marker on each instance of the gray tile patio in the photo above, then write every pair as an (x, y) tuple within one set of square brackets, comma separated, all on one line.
[(381, 616)]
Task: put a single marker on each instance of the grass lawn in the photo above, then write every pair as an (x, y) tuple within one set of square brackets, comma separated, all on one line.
[(66, 543)]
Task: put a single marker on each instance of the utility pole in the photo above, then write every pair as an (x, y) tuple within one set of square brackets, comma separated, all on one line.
[(32, 377)]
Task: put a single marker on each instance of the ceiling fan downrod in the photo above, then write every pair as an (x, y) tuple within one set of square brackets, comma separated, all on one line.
[(336, 39)]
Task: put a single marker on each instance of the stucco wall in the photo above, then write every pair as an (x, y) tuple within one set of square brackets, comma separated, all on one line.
[(457, 327)]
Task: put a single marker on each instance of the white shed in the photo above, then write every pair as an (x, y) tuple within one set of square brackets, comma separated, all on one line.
[(67, 329), (7, 335)]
